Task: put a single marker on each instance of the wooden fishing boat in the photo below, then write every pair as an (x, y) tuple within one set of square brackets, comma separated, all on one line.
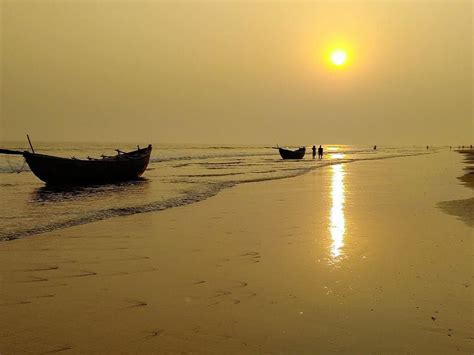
[(63, 171), (292, 154)]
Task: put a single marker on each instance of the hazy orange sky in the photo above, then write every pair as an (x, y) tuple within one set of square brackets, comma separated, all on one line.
[(249, 72)]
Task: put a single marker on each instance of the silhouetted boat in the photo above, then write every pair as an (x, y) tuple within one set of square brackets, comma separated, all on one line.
[(62, 171), (292, 154)]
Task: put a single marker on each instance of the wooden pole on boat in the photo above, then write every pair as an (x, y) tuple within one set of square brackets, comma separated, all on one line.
[(31, 146)]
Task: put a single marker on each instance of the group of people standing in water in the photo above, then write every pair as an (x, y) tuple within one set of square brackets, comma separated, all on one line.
[(320, 151)]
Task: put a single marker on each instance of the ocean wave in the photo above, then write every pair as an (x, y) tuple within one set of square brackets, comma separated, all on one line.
[(156, 159), (212, 175), (95, 216)]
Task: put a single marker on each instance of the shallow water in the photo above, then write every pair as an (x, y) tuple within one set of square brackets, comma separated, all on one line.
[(177, 175)]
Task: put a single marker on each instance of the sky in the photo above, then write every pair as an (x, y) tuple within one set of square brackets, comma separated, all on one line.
[(237, 72)]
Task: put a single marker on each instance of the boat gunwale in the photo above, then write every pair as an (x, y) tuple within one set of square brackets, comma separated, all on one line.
[(135, 154)]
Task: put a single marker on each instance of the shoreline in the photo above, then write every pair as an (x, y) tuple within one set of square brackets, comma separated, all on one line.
[(213, 190), (207, 277), (464, 208), (468, 177)]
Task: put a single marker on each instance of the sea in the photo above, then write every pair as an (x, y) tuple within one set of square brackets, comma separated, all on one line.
[(178, 174)]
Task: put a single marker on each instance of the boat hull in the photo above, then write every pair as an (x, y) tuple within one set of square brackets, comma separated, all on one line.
[(292, 154), (61, 171)]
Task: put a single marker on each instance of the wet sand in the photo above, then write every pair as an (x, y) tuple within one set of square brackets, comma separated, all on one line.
[(468, 177), (357, 258), (464, 208)]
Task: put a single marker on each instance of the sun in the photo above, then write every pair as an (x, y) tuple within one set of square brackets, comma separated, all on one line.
[(338, 57)]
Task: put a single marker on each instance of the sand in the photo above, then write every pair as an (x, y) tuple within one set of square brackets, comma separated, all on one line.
[(464, 208), (355, 258), (468, 177)]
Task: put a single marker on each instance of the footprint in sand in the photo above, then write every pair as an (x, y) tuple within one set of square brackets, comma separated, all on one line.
[(46, 268), (155, 333), (226, 296), (253, 256), (57, 350), (85, 273), (222, 293), (136, 303), (240, 284), (220, 297), (243, 284), (37, 279)]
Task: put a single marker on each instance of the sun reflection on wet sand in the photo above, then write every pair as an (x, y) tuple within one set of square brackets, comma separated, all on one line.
[(337, 221), (337, 156)]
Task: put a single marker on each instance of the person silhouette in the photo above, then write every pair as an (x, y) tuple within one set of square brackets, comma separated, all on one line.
[(320, 152), (375, 147), (314, 151)]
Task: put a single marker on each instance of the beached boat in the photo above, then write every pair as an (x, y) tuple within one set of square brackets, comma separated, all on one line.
[(60, 171), (292, 154)]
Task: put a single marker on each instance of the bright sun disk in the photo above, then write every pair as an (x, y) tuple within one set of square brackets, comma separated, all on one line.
[(338, 57)]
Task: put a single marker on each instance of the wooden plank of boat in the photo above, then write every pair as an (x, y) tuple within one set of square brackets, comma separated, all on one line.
[(11, 152), (60, 171), (292, 154)]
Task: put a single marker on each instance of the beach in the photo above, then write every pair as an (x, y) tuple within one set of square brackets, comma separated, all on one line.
[(358, 257)]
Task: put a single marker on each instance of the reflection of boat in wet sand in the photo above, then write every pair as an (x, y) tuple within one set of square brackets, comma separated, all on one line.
[(59, 171), (292, 154), (89, 192)]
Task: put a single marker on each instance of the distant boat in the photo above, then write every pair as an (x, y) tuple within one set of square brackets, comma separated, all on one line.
[(292, 154), (63, 171)]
